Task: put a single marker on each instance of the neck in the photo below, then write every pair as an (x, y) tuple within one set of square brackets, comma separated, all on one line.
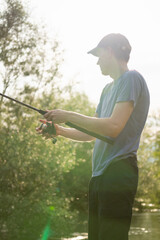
[(118, 70)]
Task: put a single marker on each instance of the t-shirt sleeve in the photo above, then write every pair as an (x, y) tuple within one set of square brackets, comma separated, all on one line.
[(130, 88)]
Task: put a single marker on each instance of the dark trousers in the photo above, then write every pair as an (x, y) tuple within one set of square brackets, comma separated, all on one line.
[(111, 198)]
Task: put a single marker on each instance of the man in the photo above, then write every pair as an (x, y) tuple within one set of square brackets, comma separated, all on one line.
[(121, 114)]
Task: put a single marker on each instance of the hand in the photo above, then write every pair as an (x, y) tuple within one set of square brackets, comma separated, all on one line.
[(57, 116), (42, 129)]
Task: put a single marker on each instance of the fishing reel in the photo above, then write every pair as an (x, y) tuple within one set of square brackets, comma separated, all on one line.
[(49, 128)]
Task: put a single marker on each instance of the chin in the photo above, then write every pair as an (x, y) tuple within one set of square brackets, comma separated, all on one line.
[(104, 73)]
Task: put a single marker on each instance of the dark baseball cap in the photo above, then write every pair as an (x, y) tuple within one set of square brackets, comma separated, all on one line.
[(117, 42)]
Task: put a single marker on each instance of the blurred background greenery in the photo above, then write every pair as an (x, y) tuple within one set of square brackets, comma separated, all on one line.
[(39, 181)]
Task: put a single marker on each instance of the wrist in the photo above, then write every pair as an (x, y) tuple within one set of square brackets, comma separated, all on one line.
[(60, 131)]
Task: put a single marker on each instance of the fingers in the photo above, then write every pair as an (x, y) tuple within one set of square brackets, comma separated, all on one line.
[(48, 115), (42, 130), (43, 121), (57, 115), (39, 130)]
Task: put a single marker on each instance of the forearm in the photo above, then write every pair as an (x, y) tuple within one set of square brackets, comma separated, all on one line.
[(102, 126), (74, 134), (110, 126)]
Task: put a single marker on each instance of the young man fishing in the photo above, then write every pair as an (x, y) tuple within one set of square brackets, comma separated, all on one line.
[(121, 114)]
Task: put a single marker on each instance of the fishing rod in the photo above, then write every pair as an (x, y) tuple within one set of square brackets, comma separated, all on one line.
[(50, 127)]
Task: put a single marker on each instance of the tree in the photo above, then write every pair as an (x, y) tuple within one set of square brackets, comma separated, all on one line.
[(27, 183), (32, 170), (25, 52), (34, 174), (149, 170)]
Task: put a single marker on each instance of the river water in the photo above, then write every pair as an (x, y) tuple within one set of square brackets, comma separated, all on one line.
[(145, 226)]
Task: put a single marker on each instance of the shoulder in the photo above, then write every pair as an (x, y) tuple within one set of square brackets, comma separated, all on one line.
[(134, 79), (134, 75)]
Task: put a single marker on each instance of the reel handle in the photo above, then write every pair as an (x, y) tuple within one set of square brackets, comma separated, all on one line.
[(49, 128)]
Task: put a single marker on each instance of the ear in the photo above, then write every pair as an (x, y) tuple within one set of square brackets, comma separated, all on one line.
[(110, 52)]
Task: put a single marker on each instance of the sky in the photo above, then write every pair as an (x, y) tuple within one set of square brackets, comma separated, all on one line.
[(80, 24)]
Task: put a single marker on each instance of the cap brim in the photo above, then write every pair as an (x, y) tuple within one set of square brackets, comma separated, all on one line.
[(94, 51)]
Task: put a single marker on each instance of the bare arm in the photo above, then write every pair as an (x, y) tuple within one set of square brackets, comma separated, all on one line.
[(74, 134), (111, 126), (70, 133)]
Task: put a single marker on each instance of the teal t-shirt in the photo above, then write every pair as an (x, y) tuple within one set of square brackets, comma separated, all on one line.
[(131, 86)]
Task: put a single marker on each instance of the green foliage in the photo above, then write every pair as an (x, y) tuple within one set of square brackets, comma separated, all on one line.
[(26, 52), (32, 169), (149, 167), (33, 172), (32, 177)]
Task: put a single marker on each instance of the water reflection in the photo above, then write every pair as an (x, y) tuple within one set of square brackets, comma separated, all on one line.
[(78, 236), (138, 231), (145, 226)]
